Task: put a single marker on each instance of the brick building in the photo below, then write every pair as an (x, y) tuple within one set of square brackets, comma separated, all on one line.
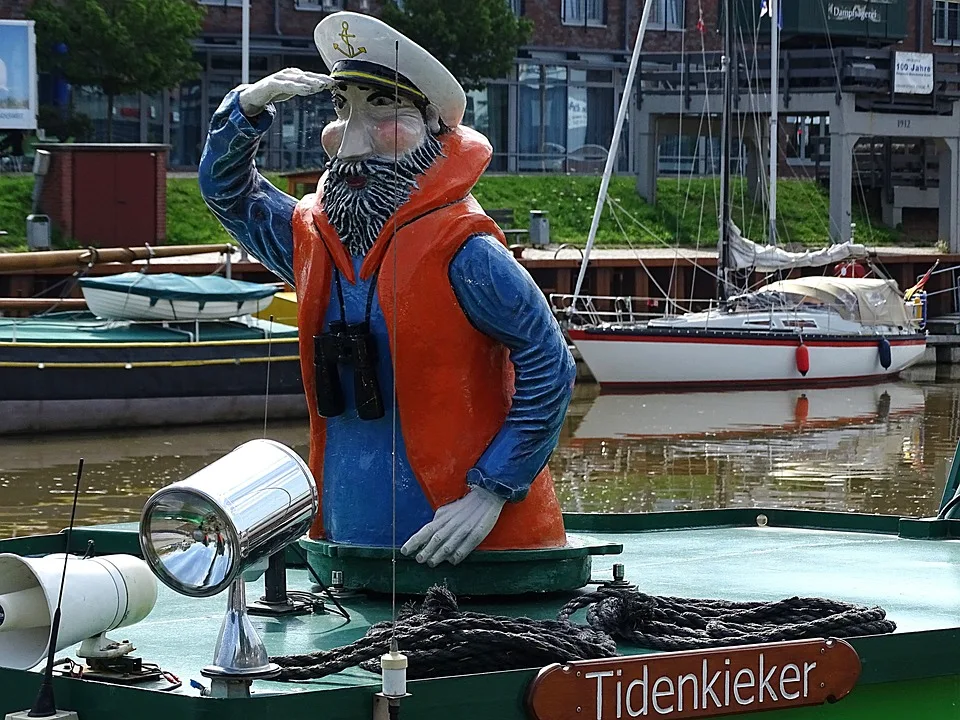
[(554, 113), (571, 75)]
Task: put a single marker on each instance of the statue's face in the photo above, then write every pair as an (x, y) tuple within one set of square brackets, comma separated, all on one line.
[(372, 123), (379, 145)]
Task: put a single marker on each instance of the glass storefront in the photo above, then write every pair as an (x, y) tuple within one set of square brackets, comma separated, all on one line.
[(541, 118), (550, 116), (488, 113), (126, 114), (565, 118), (153, 109), (186, 125)]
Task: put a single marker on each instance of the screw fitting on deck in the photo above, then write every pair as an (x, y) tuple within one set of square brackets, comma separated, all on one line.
[(619, 578)]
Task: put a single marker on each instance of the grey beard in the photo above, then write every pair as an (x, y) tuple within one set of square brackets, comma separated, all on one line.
[(358, 215)]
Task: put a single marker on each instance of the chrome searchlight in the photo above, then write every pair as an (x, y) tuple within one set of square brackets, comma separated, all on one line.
[(217, 529)]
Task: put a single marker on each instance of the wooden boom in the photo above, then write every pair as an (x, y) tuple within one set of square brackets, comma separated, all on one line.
[(38, 304), (21, 261)]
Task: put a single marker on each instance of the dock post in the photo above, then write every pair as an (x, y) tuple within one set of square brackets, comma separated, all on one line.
[(647, 152), (949, 226)]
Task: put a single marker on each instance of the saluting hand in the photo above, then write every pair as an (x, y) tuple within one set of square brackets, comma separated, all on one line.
[(282, 86)]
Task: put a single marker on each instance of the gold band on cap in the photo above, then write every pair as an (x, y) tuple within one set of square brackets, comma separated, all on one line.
[(379, 79)]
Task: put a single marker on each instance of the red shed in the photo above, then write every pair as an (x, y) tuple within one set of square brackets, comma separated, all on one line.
[(111, 195)]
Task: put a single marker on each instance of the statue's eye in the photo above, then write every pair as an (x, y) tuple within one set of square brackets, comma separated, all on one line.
[(382, 101)]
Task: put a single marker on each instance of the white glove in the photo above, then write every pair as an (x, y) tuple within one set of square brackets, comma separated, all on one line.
[(456, 529), (282, 86)]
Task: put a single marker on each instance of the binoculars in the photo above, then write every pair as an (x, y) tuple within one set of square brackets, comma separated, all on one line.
[(345, 344)]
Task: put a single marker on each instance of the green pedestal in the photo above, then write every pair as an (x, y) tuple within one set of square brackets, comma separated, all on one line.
[(502, 572)]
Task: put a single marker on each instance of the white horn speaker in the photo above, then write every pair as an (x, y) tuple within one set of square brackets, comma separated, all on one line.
[(99, 595)]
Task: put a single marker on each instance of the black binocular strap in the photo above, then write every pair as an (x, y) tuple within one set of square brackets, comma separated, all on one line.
[(370, 294)]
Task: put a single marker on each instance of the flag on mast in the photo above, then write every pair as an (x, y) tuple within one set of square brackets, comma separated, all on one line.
[(765, 9)]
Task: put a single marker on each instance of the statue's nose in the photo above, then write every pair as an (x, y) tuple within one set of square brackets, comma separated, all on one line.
[(355, 144)]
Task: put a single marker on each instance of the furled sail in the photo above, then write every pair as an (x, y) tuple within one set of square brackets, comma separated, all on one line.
[(744, 254)]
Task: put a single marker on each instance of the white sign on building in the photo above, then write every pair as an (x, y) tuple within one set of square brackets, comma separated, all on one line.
[(913, 73), (18, 75)]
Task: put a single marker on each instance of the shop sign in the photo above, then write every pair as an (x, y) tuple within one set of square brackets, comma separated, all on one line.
[(913, 73), (854, 12)]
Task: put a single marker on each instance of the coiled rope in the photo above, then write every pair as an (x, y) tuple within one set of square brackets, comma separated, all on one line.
[(441, 640), (672, 623)]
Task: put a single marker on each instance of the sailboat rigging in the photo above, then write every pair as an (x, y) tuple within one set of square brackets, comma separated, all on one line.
[(726, 133), (773, 9), (795, 332)]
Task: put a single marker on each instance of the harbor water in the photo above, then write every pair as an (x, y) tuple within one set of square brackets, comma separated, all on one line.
[(875, 448)]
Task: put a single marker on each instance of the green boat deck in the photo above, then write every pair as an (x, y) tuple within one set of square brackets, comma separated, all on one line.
[(83, 327), (916, 582), (860, 559)]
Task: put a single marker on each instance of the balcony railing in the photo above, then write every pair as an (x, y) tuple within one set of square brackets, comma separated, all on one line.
[(867, 72)]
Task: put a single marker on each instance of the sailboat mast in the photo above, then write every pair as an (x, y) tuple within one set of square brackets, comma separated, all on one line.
[(614, 146), (774, 7), (245, 42), (725, 155)]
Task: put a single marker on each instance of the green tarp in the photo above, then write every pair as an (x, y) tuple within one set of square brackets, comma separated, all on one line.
[(171, 286)]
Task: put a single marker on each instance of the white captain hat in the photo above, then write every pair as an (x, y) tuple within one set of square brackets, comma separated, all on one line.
[(362, 49)]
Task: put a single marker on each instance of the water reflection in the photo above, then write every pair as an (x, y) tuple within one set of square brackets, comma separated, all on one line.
[(878, 448), (121, 470), (881, 448)]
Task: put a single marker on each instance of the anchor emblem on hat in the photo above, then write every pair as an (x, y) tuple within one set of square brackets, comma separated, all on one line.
[(346, 36)]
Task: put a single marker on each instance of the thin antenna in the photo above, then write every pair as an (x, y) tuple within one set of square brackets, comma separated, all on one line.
[(393, 244), (46, 705), (266, 393)]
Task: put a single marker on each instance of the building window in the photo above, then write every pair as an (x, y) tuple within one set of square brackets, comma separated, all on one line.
[(564, 119), (125, 123), (516, 6), (807, 139), (946, 21), (584, 12), (542, 114), (318, 5), (488, 111), (222, 3), (667, 14)]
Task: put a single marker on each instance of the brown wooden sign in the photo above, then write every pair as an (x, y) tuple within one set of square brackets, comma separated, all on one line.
[(696, 683)]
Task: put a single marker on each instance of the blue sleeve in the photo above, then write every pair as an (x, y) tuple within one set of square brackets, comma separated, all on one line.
[(501, 300), (255, 213)]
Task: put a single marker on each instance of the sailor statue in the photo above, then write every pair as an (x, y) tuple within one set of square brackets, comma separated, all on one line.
[(407, 299)]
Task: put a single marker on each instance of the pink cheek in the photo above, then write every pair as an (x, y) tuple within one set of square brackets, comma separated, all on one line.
[(331, 137), (399, 138)]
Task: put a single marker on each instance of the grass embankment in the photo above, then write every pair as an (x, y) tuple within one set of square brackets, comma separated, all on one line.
[(15, 193), (684, 214)]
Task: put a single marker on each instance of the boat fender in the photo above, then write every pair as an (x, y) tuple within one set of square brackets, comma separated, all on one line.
[(801, 411), (883, 347), (803, 359)]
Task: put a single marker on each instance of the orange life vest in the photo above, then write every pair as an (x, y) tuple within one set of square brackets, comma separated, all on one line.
[(454, 384)]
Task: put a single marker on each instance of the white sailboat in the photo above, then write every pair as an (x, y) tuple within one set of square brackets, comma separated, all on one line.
[(795, 332)]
